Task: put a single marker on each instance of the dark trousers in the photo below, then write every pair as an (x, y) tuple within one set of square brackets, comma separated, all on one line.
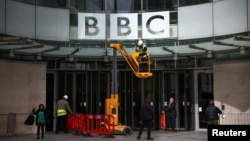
[(213, 122), (40, 127), (149, 125), (61, 123), (143, 65), (172, 122)]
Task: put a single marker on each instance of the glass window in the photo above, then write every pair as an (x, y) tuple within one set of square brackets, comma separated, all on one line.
[(95, 6), (73, 19), (192, 2), (173, 18), (52, 3), (26, 1), (160, 5), (121, 6)]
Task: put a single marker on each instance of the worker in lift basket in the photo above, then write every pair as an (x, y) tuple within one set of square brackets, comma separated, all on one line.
[(142, 49), (143, 56)]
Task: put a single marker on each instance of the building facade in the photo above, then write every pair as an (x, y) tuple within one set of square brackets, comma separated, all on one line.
[(196, 55)]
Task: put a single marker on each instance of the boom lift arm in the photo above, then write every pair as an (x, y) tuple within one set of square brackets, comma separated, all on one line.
[(133, 62)]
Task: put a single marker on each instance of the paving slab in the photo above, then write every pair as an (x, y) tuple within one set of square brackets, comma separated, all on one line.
[(157, 135)]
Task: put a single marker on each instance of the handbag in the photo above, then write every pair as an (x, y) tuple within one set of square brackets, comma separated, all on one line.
[(30, 120)]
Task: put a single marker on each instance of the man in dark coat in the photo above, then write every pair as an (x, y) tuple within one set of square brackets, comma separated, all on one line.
[(212, 113), (146, 118), (171, 114)]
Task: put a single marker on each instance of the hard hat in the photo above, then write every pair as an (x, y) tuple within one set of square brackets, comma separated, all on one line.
[(65, 96), (140, 42)]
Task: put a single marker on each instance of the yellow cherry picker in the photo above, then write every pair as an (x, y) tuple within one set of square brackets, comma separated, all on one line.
[(111, 104)]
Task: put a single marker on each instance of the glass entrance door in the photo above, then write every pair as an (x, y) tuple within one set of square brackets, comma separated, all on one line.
[(203, 93), (129, 99), (176, 84)]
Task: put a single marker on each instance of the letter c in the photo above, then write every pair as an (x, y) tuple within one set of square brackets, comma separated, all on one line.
[(150, 20)]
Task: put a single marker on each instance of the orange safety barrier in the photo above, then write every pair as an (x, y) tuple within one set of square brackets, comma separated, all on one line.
[(163, 121), (98, 124), (75, 122)]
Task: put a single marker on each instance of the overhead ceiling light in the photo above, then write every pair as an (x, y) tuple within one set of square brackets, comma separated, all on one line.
[(71, 57), (106, 58), (39, 56), (242, 50), (175, 56), (11, 53), (209, 54)]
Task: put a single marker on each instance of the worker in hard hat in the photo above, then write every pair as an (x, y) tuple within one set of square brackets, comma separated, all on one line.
[(143, 55), (61, 114), (142, 49)]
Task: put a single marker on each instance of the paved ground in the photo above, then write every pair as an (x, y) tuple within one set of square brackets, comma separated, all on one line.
[(157, 135)]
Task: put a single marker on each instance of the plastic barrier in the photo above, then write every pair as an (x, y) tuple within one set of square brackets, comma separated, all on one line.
[(75, 122), (163, 121), (98, 124)]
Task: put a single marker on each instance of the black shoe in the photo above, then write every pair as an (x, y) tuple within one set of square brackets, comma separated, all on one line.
[(150, 139), (138, 138), (37, 138), (173, 131), (57, 132)]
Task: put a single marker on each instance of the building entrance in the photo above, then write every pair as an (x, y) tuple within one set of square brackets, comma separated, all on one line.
[(88, 90), (203, 93)]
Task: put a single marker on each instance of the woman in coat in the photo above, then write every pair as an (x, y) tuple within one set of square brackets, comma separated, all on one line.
[(41, 119)]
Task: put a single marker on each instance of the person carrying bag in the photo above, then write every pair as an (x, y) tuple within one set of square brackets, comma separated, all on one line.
[(30, 120)]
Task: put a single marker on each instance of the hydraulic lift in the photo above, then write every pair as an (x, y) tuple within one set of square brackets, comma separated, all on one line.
[(111, 104)]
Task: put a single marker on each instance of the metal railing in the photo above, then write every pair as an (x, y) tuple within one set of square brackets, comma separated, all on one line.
[(234, 118), (10, 123)]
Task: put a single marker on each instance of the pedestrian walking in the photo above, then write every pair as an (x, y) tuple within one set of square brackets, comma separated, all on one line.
[(61, 114), (212, 113), (146, 118)]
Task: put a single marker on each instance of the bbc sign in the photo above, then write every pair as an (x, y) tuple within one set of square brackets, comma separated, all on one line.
[(155, 25)]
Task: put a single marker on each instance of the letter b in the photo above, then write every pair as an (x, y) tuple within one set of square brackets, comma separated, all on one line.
[(91, 23)]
